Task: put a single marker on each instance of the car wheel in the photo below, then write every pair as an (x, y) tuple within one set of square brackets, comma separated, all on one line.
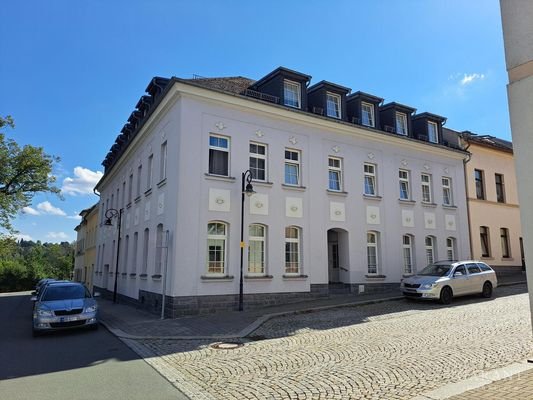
[(446, 295), (487, 290)]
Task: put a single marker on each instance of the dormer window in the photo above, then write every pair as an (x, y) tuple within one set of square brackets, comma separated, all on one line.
[(333, 105), (367, 114), (401, 124), (432, 132), (291, 94)]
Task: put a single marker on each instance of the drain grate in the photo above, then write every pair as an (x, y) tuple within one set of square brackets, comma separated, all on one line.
[(226, 345)]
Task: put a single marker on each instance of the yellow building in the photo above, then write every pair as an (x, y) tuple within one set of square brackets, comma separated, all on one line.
[(86, 246), (492, 197)]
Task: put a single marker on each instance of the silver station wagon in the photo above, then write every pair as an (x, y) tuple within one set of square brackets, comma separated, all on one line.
[(64, 305), (445, 280)]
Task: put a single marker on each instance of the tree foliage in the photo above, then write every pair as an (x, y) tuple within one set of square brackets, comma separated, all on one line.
[(24, 172), (24, 263)]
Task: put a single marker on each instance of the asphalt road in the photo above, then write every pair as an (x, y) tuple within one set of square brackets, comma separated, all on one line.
[(70, 365)]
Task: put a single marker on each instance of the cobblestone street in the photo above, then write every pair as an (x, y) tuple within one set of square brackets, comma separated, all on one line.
[(391, 350)]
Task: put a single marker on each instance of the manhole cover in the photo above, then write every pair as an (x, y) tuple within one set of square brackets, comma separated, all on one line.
[(226, 345)]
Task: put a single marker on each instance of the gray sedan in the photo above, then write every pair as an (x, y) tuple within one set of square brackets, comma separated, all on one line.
[(64, 305), (447, 279)]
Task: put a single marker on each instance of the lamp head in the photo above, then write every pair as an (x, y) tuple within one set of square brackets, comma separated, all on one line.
[(249, 190)]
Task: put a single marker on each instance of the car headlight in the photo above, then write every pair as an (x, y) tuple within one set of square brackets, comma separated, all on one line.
[(91, 308), (429, 285), (45, 313)]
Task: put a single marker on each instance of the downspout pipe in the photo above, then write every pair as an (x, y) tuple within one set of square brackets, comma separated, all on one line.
[(466, 160)]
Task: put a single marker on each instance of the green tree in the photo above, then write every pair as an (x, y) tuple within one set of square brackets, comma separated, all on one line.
[(24, 172)]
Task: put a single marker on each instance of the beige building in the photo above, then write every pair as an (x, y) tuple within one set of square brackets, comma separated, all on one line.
[(86, 246), (494, 213)]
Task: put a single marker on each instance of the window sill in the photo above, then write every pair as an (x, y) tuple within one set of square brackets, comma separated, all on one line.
[(219, 178), (295, 277), (262, 183), (507, 259), (128, 205), (156, 277), (407, 202), (407, 275), (486, 258), (124, 274), (215, 278), (258, 277), (370, 197), (429, 205), (375, 278), (133, 275), (336, 193), (162, 183), (137, 199), (148, 192), (449, 207), (293, 187), (143, 276)]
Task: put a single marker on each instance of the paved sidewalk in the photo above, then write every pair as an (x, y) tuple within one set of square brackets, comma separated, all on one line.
[(132, 323), (129, 322)]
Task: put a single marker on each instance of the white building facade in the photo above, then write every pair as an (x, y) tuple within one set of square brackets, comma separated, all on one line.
[(336, 204)]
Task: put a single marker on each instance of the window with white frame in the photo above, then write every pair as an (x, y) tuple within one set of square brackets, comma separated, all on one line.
[(372, 252), (367, 114), (292, 250), (219, 155), (134, 254), (370, 179), (158, 249), (430, 249), (216, 248), (258, 161), (146, 242), (130, 188), (126, 254), (407, 247), (334, 174), (291, 94), (401, 123), (426, 188), (433, 135), (403, 176), (292, 167), (333, 103), (256, 249), (450, 248), (139, 177), (447, 198), (150, 172), (163, 162)]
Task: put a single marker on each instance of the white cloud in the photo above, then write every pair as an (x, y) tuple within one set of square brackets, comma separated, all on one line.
[(23, 236), (470, 78), (47, 208), (82, 183), (57, 235), (76, 217), (30, 211)]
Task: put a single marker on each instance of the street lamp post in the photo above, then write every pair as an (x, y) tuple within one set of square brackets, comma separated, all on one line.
[(245, 190), (109, 214)]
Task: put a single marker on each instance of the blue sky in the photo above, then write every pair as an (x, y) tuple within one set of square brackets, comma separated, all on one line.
[(72, 71)]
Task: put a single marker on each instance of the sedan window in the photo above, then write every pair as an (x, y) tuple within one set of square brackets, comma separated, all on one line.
[(484, 267), (65, 293), (461, 269), (473, 269)]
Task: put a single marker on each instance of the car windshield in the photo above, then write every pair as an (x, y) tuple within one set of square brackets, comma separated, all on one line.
[(65, 293), (435, 270)]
